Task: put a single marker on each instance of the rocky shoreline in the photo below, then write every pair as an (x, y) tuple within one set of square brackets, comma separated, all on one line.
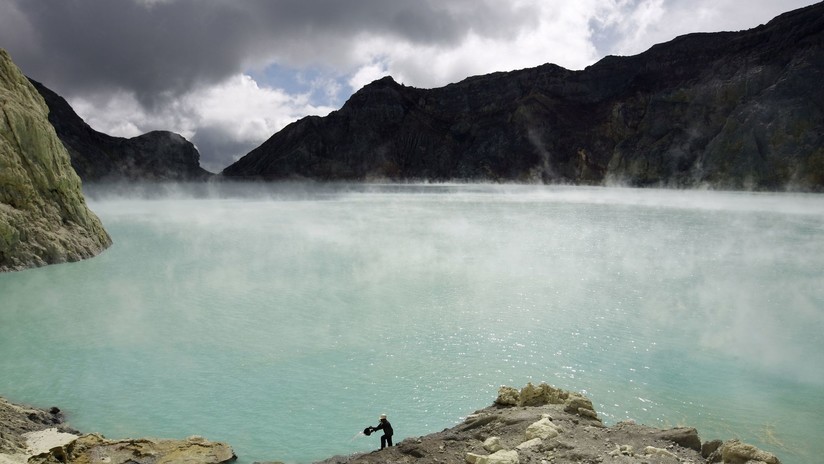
[(536, 424), (38, 436)]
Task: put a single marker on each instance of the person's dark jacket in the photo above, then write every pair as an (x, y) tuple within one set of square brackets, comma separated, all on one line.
[(385, 426)]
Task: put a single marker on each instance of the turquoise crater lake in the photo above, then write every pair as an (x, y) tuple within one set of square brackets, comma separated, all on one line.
[(284, 318)]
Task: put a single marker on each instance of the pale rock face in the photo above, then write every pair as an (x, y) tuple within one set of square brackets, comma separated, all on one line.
[(95, 448), (42, 441), (507, 396), (543, 429), (529, 444), (581, 405), (493, 444), (542, 394), (532, 395), (43, 215), (735, 452), (499, 457)]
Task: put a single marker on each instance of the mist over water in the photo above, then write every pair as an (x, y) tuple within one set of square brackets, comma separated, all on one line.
[(283, 319)]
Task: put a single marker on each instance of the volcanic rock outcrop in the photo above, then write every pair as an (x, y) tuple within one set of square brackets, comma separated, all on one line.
[(736, 110), (98, 157), (537, 424), (43, 215), (17, 420), (94, 448), (544, 424), (35, 436)]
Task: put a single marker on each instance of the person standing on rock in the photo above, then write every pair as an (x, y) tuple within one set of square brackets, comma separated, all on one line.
[(386, 438)]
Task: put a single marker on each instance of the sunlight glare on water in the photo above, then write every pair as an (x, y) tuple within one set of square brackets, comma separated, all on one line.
[(283, 319)]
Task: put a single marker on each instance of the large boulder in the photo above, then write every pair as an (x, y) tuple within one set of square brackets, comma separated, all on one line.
[(543, 394), (493, 444), (581, 405), (531, 395), (508, 396), (736, 452), (543, 429), (43, 215), (682, 436)]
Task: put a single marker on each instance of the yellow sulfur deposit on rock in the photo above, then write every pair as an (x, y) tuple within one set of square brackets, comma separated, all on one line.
[(43, 215), (93, 449)]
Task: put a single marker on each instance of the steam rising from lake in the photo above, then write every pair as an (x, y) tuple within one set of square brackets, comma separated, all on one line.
[(284, 318)]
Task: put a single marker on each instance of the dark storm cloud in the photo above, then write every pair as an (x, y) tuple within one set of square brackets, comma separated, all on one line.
[(130, 66), (164, 48)]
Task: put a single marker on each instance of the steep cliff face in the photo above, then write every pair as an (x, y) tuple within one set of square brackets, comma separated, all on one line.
[(154, 156), (43, 215), (729, 110)]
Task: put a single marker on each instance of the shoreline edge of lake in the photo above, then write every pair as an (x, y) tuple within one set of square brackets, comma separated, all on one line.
[(536, 424)]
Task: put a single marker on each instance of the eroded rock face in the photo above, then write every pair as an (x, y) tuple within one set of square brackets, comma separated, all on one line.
[(736, 452), (543, 394), (43, 215), (93, 449), (98, 157), (728, 110)]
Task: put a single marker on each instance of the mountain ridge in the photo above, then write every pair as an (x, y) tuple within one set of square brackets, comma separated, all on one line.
[(732, 110), (99, 157)]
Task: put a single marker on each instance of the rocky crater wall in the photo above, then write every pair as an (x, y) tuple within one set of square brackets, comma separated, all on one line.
[(44, 218), (97, 157), (728, 110)]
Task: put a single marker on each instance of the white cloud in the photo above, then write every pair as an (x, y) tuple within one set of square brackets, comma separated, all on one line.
[(416, 49), (246, 113), (118, 114), (327, 86), (368, 73), (559, 35), (635, 26)]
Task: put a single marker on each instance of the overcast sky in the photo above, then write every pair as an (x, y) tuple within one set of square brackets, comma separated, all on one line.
[(227, 74)]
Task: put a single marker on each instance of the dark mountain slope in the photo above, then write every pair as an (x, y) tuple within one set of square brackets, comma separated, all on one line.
[(729, 110), (155, 156)]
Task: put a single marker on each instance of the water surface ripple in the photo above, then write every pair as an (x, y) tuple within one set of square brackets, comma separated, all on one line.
[(284, 318)]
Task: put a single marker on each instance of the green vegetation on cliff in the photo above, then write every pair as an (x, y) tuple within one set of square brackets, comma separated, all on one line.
[(43, 215)]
